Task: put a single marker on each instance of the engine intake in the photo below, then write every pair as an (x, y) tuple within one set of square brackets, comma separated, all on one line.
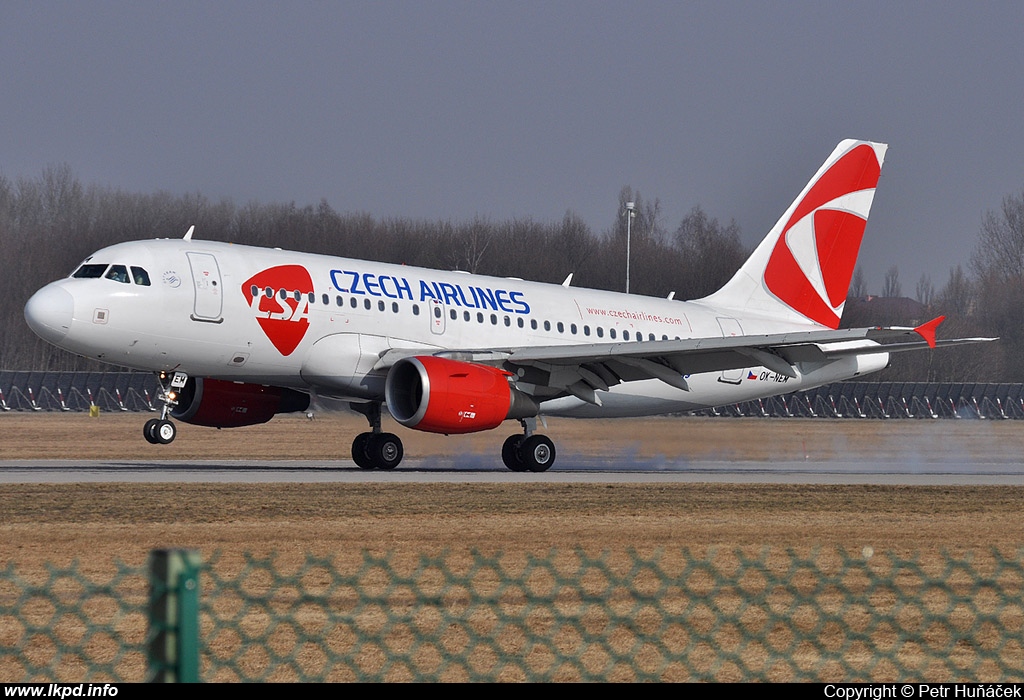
[(217, 403), (438, 395)]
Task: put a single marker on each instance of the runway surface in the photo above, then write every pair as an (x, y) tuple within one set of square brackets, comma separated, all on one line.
[(473, 469)]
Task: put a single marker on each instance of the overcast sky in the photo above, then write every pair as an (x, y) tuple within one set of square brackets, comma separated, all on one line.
[(452, 110)]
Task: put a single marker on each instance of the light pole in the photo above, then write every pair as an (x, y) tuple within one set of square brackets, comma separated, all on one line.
[(630, 213)]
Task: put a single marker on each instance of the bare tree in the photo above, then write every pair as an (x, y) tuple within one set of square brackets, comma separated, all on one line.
[(1000, 249), (891, 286), (712, 253), (925, 290), (956, 297), (858, 289)]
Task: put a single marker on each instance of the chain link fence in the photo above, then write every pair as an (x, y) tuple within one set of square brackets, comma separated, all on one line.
[(138, 391), (824, 615)]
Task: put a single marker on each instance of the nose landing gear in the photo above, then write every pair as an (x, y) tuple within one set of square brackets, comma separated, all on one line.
[(161, 431)]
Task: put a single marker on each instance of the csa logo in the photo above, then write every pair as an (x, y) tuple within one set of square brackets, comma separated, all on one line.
[(283, 320)]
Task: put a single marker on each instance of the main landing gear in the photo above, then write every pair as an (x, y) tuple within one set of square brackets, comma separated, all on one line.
[(160, 431), (376, 449), (529, 452)]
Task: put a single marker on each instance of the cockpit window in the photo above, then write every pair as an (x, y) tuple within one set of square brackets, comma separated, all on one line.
[(90, 271), (118, 273), (140, 276)]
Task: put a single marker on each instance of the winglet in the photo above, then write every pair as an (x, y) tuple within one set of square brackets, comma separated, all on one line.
[(927, 330)]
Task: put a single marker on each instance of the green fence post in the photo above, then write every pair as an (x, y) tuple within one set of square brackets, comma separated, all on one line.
[(174, 616)]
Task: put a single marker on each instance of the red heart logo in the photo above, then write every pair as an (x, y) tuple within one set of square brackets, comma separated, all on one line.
[(281, 304)]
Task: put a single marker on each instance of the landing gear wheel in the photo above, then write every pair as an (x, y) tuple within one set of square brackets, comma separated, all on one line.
[(149, 431), (538, 453), (165, 432), (359, 452), (385, 450), (510, 453)]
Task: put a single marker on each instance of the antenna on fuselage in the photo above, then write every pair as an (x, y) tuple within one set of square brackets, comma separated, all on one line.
[(188, 234), (568, 280)]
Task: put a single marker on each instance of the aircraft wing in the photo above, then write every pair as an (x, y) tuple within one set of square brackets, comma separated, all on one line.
[(581, 369)]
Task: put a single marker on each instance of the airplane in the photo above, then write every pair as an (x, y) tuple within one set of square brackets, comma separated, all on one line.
[(238, 334)]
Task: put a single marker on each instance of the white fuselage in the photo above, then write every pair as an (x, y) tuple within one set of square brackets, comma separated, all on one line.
[(320, 324)]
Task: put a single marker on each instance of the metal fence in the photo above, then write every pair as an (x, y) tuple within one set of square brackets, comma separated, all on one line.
[(564, 616), (78, 391), (135, 391)]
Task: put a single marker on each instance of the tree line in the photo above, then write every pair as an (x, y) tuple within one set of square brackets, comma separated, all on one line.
[(50, 223)]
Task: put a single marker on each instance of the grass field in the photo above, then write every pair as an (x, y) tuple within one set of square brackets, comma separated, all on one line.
[(98, 524), (65, 522)]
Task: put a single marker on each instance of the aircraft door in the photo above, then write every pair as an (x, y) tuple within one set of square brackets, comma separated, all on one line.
[(731, 327), (209, 300), (437, 319)]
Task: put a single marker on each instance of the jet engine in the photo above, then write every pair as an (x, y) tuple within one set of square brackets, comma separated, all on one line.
[(438, 395), (223, 404)]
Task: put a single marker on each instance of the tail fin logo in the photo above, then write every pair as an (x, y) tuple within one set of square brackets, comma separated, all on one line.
[(281, 304), (813, 259)]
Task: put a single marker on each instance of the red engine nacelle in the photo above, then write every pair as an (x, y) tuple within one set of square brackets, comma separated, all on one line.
[(438, 395), (216, 403)]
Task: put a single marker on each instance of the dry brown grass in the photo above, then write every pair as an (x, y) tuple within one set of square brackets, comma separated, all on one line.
[(62, 522), (99, 523)]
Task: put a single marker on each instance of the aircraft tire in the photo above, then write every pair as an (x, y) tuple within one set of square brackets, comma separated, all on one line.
[(360, 455), (149, 431), (538, 453), (385, 450), (165, 432), (511, 455)]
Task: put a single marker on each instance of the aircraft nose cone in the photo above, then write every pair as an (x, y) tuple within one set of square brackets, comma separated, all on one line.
[(49, 313)]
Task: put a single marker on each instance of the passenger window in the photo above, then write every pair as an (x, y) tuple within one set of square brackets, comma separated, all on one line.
[(561, 327), (454, 314), (547, 325), (394, 307), (533, 324), (415, 309), (600, 332), (366, 303), (586, 330), (572, 328), (611, 333), (118, 273), (268, 292), (141, 277), (254, 291)]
